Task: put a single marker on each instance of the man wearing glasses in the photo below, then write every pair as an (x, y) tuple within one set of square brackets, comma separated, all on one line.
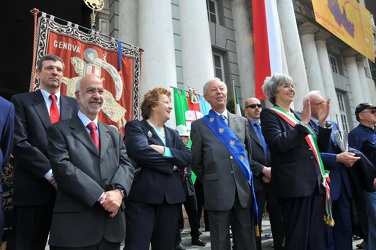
[(363, 138), (261, 169)]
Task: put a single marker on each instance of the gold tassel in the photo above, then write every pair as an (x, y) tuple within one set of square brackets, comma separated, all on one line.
[(329, 222), (257, 231)]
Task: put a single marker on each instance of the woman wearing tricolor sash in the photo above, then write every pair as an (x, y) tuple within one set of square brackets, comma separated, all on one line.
[(299, 178)]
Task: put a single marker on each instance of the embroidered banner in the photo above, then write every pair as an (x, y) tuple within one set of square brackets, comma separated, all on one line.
[(116, 63)]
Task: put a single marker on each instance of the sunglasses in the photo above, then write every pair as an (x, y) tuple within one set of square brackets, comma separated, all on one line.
[(252, 106)]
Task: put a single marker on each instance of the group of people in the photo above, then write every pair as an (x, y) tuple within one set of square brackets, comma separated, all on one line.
[(81, 183)]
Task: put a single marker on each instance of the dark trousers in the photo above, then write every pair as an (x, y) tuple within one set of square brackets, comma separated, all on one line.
[(151, 223), (240, 220), (303, 219), (190, 206), (199, 190), (275, 216), (340, 236), (102, 245), (33, 226)]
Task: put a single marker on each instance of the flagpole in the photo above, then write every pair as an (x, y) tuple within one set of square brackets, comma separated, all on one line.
[(233, 93)]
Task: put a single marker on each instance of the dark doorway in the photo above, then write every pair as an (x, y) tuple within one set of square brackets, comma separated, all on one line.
[(16, 43)]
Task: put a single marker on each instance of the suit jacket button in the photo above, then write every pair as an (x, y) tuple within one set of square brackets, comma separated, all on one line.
[(231, 157), (105, 181), (310, 149)]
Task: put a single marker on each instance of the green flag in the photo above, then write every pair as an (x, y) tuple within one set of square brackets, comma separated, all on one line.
[(181, 106)]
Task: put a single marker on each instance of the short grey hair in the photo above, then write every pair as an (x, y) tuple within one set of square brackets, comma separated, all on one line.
[(78, 84), (205, 88), (310, 94), (271, 84)]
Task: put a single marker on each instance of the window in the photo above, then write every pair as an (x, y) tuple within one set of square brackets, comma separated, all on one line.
[(367, 69), (218, 65), (211, 6), (333, 64), (342, 110)]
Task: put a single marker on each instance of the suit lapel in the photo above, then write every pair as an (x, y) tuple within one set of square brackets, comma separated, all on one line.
[(65, 108), (169, 139), (41, 109), (154, 138), (79, 131), (104, 138), (253, 135)]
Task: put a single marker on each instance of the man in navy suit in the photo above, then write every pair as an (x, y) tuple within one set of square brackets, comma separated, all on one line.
[(340, 236), (261, 168), (34, 183), (6, 139)]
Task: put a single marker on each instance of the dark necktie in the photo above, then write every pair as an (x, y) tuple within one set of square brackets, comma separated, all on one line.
[(93, 133), (257, 126), (54, 111)]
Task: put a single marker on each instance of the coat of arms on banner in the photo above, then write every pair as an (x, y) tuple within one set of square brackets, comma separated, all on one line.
[(116, 63)]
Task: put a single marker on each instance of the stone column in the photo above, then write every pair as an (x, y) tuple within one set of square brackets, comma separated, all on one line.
[(155, 36), (293, 50), (127, 21), (355, 82), (363, 78), (311, 58), (244, 48), (103, 23), (197, 57), (327, 76)]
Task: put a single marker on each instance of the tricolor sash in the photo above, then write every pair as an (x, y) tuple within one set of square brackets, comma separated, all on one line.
[(311, 140), (236, 148)]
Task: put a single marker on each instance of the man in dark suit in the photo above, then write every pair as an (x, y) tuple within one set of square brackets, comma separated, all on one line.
[(220, 162), (34, 183), (94, 175), (261, 169), (6, 140), (190, 203), (336, 161)]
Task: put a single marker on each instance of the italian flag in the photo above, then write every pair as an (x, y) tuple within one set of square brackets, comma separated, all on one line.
[(267, 42), (189, 106)]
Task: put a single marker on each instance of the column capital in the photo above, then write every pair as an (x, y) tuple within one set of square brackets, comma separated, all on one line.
[(349, 52), (359, 57), (308, 28), (321, 35)]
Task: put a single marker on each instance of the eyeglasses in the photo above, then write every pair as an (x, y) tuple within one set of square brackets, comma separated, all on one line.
[(91, 91), (319, 103), (252, 106)]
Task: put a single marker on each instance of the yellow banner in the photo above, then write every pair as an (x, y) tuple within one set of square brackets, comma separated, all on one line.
[(349, 21)]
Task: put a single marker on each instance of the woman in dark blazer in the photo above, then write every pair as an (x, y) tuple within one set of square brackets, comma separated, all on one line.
[(297, 177), (154, 202)]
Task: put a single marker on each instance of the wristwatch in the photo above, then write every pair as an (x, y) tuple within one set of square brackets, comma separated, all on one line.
[(122, 192), (328, 125)]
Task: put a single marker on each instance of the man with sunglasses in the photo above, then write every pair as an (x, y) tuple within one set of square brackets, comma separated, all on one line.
[(363, 138), (261, 169)]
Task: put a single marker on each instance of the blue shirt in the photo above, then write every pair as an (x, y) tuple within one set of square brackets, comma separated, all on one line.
[(363, 138)]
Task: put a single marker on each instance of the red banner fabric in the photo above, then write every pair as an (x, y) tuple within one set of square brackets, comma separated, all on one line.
[(261, 46)]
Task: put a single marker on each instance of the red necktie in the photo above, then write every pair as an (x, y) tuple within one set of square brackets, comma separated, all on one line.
[(54, 111), (93, 133)]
